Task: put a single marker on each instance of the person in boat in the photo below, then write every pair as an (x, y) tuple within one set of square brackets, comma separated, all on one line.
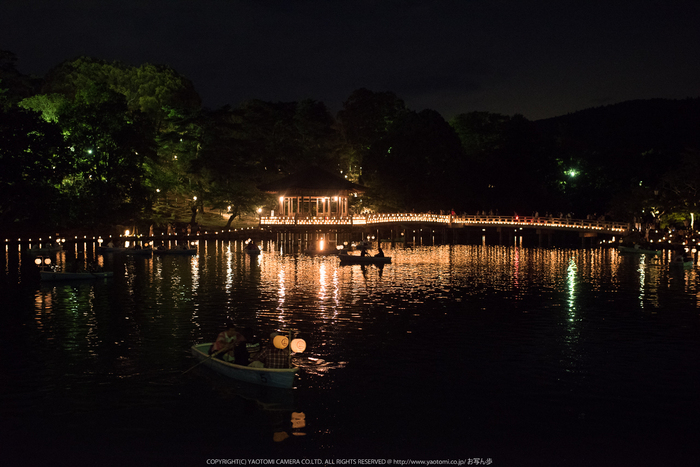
[(226, 340), (252, 344), (110, 244), (246, 347), (380, 253), (271, 356), (364, 251)]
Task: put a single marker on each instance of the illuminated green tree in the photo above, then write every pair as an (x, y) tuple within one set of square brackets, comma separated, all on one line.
[(149, 89), (109, 145)]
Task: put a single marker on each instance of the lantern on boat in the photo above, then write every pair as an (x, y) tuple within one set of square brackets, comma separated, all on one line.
[(37, 261), (298, 345), (280, 342)]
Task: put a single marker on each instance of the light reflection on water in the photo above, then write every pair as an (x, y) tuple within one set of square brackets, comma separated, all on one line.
[(522, 330)]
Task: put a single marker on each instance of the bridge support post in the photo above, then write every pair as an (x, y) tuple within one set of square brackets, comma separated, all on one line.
[(585, 235), (541, 233)]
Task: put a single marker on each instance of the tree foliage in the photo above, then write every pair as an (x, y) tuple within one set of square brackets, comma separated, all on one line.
[(104, 142), (109, 145), (34, 161)]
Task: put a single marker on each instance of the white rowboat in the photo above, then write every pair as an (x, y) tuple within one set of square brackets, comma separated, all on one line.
[(273, 377)]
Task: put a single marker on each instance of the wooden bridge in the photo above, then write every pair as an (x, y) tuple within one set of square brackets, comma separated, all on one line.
[(431, 228), (554, 223)]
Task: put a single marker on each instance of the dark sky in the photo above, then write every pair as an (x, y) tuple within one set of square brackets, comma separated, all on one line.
[(539, 58)]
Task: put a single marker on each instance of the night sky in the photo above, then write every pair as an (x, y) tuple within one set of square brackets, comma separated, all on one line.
[(539, 58)]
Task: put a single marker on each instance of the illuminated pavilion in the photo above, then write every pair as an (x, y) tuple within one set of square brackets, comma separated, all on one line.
[(313, 192)]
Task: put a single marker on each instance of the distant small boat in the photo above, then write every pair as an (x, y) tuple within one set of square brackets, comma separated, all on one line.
[(175, 251), (111, 249), (44, 250), (681, 262), (138, 251), (326, 252), (638, 250), (252, 251), (357, 259), (66, 276), (274, 377)]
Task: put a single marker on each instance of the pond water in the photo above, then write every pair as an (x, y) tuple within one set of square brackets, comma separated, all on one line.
[(475, 354)]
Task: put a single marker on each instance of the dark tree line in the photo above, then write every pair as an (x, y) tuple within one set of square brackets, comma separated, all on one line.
[(95, 143)]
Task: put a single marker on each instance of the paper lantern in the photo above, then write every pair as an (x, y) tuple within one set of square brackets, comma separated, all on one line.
[(280, 342), (298, 345)]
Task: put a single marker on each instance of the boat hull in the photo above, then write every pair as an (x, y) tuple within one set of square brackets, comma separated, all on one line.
[(272, 377), (44, 251), (356, 259), (639, 251), (141, 252), (71, 276), (682, 264), (191, 251), (113, 249)]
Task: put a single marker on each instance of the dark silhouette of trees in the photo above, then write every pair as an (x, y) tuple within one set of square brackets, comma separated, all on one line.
[(34, 159), (105, 142), (417, 163)]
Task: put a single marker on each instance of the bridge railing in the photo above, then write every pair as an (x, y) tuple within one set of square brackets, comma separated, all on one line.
[(545, 222), (446, 219)]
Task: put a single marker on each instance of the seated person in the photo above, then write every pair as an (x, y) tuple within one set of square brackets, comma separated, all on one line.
[(225, 340), (380, 254), (245, 344), (271, 356)]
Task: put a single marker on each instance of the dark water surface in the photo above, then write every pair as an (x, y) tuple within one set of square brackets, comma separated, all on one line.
[(507, 355)]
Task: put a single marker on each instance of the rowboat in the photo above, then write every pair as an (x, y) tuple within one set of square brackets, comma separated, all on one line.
[(357, 259), (682, 264), (138, 251), (326, 252), (65, 276), (638, 250), (35, 250), (252, 251), (175, 251), (273, 377), (111, 249)]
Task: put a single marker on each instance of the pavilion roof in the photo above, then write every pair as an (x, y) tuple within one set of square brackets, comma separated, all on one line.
[(312, 179)]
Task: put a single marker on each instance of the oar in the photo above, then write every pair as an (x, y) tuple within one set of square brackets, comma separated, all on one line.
[(207, 359)]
